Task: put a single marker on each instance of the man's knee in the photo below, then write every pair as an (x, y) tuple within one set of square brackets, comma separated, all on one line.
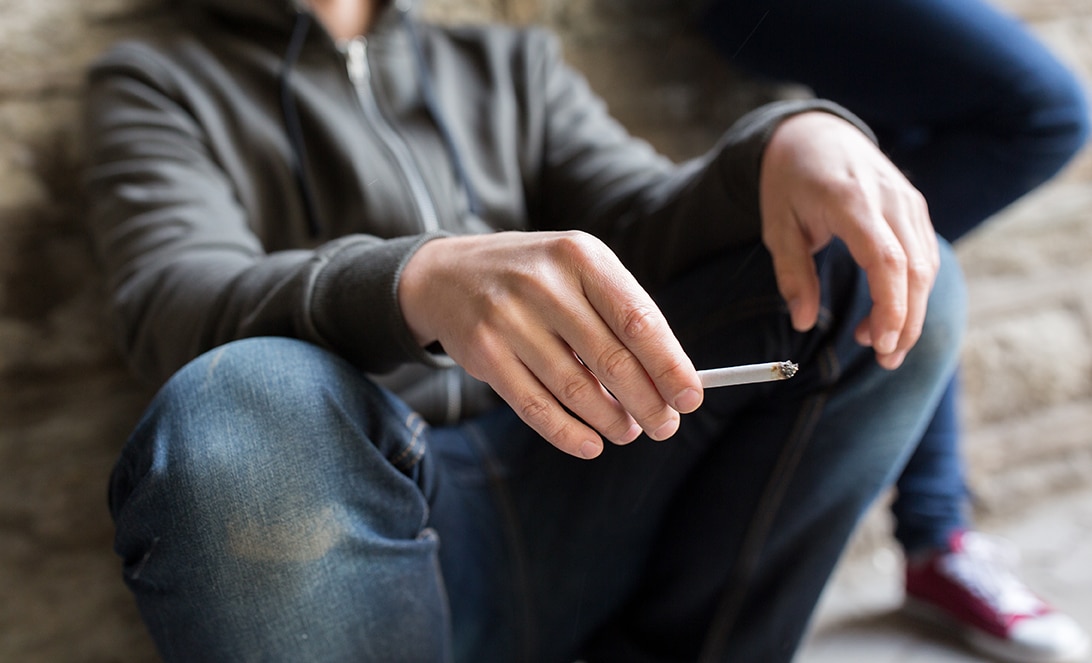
[(1046, 118), (259, 373), (253, 414)]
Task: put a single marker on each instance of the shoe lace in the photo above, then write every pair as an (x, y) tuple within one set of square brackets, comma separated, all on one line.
[(984, 566)]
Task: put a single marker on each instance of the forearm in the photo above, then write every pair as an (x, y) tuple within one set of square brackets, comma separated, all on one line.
[(340, 296)]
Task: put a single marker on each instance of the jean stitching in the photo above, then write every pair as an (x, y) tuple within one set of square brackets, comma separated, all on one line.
[(757, 533), (139, 569), (414, 447)]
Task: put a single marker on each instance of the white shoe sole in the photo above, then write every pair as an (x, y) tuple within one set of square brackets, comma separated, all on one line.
[(985, 643)]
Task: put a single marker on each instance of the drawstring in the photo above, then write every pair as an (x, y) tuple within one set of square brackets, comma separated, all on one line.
[(428, 92), (292, 121)]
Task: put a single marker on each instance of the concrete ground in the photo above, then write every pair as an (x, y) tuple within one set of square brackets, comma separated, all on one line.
[(858, 619)]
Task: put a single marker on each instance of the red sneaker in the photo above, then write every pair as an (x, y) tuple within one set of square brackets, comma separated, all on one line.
[(972, 590)]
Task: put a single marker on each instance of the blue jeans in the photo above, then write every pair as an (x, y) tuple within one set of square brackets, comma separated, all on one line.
[(965, 100), (276, 504)]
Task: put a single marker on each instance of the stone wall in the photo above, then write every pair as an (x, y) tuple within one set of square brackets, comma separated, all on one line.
[(66, 401), (1028, 356)]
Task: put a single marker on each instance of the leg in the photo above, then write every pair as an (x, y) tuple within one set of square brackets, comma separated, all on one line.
[(930, 502), (757, 526), (964, 98), (978, 113), (272, 505)]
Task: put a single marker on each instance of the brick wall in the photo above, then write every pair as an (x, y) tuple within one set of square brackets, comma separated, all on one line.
[(66, 402)]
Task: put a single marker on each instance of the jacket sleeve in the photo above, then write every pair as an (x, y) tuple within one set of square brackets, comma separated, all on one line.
[(658, 216), (185, 270)]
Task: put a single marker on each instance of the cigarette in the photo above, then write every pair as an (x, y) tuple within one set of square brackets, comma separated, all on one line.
[(723, 377)]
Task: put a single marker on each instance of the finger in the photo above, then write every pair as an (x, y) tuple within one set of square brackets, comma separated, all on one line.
[(893, 360), (629, 345), (914, 230), (794, 269), (922, 267), (494, 361), (630, 367), (885, 270), (577, 388), (919, 283), (880, 254), (539, 409)]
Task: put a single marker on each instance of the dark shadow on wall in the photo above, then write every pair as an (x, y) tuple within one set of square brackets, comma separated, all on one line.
[(67, 404)]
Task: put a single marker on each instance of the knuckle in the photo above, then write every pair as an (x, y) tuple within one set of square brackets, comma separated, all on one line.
[(676, 368), (616, 364), (542, 414), (577, 246), (638, 321), (537, 411), (921, 271), (892, 257), (576, 388)]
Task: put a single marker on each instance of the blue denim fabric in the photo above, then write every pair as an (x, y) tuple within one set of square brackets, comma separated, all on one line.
[(965, 100), (275, 504)]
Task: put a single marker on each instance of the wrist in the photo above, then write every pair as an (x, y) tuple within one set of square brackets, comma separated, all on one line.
[(413, 285)]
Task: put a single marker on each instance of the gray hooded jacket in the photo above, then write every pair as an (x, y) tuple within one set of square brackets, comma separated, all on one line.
[(248, 176)]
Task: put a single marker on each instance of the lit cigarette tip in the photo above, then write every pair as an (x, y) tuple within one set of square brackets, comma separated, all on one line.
[(750, 373)]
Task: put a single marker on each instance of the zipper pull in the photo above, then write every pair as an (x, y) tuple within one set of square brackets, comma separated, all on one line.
[(356, 58)]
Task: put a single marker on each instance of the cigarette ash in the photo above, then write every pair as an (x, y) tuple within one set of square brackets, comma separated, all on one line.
[(787, 369)]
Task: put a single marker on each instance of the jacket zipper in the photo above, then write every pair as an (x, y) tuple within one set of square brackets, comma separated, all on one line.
[(361, 77)]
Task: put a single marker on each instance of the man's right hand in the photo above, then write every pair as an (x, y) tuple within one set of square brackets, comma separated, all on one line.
[(822, 178), (558, 327)]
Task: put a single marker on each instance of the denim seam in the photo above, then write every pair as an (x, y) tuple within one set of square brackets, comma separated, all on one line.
[(797, 442), (139, 569), (414, 449)]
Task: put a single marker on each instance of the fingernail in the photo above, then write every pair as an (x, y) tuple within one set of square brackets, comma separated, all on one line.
[(589, 449), (892, 362), (665, 431), (887, 342), (794, 306), (632, 434), (688, 400)]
